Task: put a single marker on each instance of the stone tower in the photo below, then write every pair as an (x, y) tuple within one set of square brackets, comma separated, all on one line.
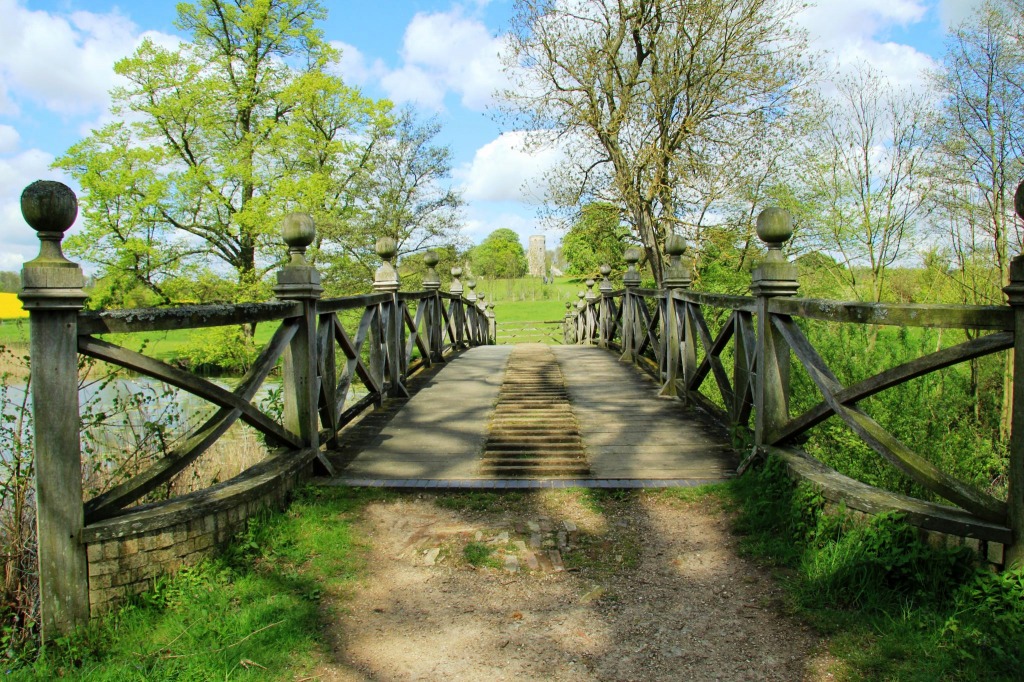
[(537, 256)]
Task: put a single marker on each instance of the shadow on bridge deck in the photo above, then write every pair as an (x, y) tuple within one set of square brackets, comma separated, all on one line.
[(435, 439)]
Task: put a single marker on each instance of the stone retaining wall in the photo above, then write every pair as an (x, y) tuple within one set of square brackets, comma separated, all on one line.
[(128, 552)]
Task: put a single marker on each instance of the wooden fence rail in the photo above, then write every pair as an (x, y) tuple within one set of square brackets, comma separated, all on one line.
[(667, 332), (397, 333)]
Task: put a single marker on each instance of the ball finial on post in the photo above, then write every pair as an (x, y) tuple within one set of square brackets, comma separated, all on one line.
[(632, 277), (50, 208), (775, 276), (386, 277), (456, 286), (774, 228), (606, 284), (431, 280), (298, 233), (678, 273)]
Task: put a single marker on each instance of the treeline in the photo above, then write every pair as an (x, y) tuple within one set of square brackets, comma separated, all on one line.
[(183, 193), (664, 138)]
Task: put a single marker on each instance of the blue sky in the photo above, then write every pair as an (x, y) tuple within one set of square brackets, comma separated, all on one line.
[(56, 59)]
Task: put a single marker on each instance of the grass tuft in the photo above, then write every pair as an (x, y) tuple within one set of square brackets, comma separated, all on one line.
[(894, 607)]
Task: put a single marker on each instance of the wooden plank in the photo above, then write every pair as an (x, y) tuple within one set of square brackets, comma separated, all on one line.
[(894, 376), (238, 400), (334, 305), (107, 504), (712, 349), (183, 317), (862, 497), (744, 368), (999, 318), (328, 373), (700, 298), (63, 569), (881, 441), (352, 350)]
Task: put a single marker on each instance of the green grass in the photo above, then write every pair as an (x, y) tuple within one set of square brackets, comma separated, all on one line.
[(480, 555), (892, 606), (254, 613)]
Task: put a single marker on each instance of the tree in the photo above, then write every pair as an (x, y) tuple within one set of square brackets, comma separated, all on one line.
[(865, 168), (500, 255), (641, 92), (981, 147), (596, 237), (215, 141), (981, 157), (401, 195)]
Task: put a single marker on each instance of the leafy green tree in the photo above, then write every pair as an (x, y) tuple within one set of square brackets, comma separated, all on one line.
[(214, 141), (401, 195), (500, 255), (598, 236), (10, 282), (640, 93)]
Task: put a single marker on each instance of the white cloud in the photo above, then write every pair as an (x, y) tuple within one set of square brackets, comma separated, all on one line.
[(504, 170), (902, 65), (352, 66), (447, 52), (64, 62), (953, 12), (484, 221), (16, 172), (9, 139)]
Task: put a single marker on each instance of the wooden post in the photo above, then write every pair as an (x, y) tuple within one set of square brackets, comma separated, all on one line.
[(607, 316), (299, 281), (471, 313), (590, 312), (52, 293), (1014, 555), (432, 283), (630, 281), (568, 327), (581, 319), (678, 352), (492, 325), (773, 278), (386, 280), (458, 317)]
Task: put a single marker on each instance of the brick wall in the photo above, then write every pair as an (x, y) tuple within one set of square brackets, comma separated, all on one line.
[(128, 552)]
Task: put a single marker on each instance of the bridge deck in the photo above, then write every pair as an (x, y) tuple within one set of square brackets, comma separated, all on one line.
[(631, 437)]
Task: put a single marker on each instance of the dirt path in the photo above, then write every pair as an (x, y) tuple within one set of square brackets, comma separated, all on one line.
[(649, 588)]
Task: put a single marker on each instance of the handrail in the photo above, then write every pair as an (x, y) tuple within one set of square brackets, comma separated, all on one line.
[(397, 333), (748, 359)]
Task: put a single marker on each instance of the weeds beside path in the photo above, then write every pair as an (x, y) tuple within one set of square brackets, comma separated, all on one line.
[(561, 585)]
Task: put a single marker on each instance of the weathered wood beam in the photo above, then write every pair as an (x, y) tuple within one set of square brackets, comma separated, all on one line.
[(880, 440), (183, 317), (895, 376), (999, 318)]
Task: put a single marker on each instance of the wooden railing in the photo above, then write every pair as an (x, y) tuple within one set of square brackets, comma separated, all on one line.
[(396, 334), (666, 332)]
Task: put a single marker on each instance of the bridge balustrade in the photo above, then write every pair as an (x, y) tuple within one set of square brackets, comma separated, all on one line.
[(92, 554), (744, 360)]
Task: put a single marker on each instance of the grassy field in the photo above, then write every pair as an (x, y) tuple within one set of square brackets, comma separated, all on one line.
[(526, 299)]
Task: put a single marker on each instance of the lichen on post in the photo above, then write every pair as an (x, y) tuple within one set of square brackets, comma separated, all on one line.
[(299, 281), (52, 292), (774, 277)]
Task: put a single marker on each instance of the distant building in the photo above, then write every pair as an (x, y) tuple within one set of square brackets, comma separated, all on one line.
[(537, 256)]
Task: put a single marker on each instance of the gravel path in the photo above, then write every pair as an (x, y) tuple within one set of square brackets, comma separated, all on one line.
[(578, 588)]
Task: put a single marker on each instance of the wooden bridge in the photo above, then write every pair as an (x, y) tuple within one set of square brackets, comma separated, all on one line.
[(605, 428), (650, 388)]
